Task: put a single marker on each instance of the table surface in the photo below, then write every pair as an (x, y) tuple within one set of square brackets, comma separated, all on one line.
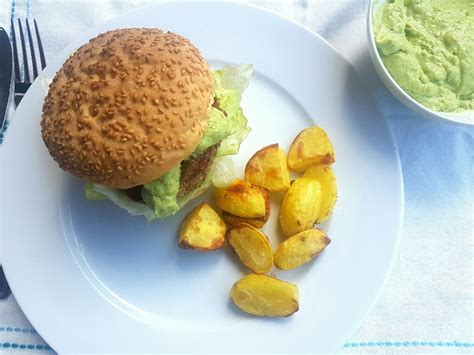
[(427, 302)]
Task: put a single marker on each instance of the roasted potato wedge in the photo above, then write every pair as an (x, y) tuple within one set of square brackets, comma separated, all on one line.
[(312, 146), (243, 199), (265, 296), (300, 248), (252, 247), (300, 206), (232, 220), (202, 229), (268, 168), (258, 222), (327, 180)]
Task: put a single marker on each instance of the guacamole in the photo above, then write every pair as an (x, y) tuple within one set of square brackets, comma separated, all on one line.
[(428, 48)]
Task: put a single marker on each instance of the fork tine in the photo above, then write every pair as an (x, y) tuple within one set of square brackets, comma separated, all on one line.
[(25, 57), (15, 53), (40, 46), (32, 50)]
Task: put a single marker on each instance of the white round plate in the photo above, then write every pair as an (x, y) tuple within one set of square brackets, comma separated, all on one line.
[(91, 278)]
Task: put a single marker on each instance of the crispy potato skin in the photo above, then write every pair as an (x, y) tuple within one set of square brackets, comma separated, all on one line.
[(268, 203), (268, 168), (243, 199), (232, 220), (202, 229), (252, 247), (327, 179), (300, 206), (300, 248), (311, 146), (265, 296)]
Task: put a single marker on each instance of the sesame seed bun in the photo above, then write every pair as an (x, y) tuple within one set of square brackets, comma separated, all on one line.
[(127, 107)]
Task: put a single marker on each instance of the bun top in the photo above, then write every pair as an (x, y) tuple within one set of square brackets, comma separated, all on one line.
[(127, 107)]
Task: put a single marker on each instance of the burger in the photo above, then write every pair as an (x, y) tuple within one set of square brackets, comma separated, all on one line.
[(139, 116)]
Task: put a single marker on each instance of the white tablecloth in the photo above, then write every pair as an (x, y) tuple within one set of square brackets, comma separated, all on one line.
[(426, 305)]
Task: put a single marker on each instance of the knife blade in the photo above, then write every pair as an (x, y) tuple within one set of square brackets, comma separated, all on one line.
[(6, 71)]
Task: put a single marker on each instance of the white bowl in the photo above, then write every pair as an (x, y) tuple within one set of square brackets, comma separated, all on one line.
[(465, 117)]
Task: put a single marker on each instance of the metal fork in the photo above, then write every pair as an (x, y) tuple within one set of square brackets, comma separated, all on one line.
[(30, 73), (22, 85)]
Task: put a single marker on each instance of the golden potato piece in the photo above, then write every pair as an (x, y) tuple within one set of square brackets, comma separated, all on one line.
[(258, 222), (265, 296), (268, 168), (252, 247), (300, 206), (202, 229), (232, 220), (300, 248), (311, 146), (243, 199), (327, 179)]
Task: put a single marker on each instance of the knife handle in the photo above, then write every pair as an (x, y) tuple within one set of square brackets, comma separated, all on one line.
[(4, 288)]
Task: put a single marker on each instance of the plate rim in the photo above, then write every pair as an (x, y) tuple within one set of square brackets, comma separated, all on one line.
[(79, 40)]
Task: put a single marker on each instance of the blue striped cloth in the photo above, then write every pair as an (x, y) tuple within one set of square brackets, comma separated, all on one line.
[(427, 303)]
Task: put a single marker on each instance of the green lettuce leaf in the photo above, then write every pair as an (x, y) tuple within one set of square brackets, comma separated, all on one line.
[(92, 194), (231, 144), (222, 172), (121, 199), (234, 78)]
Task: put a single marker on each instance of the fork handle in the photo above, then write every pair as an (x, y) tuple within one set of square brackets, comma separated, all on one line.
[(17, 98), (20, 88)]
